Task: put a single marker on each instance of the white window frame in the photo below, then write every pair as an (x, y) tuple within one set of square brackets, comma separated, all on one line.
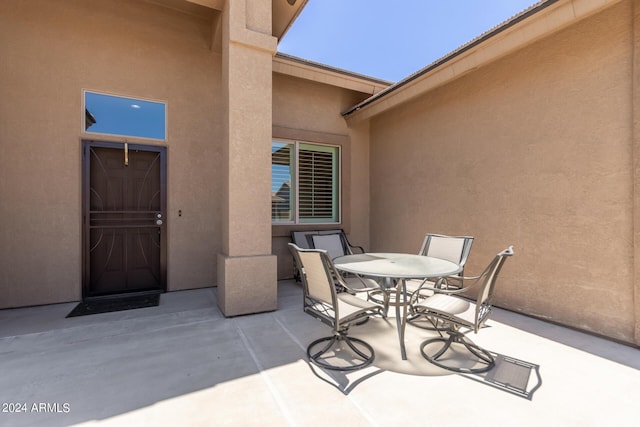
[(296, 188)]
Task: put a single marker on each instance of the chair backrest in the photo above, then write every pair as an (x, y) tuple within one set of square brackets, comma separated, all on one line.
[(299, 238), (317, 282), (451, 248), (334, 244), (333, 241), (487, 282), (304, 239)]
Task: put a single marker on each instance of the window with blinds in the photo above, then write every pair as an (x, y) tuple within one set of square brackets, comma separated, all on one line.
[(281, 179), (317, 183), (305, 183)]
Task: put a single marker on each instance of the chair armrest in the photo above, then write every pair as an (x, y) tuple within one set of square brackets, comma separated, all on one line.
[(455, 278), (358, 247), (344, 235)]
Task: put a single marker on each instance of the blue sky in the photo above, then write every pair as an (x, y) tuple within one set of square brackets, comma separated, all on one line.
[(391, 39)]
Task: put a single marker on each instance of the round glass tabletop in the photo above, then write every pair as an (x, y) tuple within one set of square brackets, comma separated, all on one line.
[(396, 265)]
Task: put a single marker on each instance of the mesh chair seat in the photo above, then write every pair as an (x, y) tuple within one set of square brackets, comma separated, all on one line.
[(449, 307), (350, 308), (361, 284)]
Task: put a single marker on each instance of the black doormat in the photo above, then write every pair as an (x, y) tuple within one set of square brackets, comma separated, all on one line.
[(511, 375), (115, 304)]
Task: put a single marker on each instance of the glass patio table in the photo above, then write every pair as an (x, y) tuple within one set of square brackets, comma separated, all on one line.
[(397, 267)]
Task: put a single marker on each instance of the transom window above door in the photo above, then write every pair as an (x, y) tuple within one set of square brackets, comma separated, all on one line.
[(305, 181), (118, 115)]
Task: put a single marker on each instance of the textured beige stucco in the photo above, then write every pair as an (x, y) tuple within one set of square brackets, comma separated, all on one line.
[(533, 150), (307, 110), (51, 51), (246, 284), (247, 278), (246, 182), (636, 165)]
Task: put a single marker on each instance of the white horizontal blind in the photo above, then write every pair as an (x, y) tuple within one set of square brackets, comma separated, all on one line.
[(282, 155), (317, 183), (304, 183)]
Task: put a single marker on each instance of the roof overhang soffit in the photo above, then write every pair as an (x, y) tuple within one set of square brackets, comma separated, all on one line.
[(283, 12), (308, 70)]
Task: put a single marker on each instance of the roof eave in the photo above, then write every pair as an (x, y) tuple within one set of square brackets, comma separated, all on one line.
[(314, 71), (507, 37), (284, 14)]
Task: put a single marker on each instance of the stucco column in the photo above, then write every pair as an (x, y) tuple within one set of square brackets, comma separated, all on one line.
[(247, 272), (635, 93)]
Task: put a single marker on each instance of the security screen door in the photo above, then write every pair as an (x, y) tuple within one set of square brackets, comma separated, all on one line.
[(124, 229)]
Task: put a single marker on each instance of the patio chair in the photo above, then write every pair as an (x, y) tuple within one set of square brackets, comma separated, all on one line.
[(451, 248), (334, 241), (338, 310), (458, 315)]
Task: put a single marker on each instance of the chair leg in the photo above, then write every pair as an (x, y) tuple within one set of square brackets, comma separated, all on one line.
[(384, 301), (330, 343), (385, 304), (356, 350), (444, 348), (361, 354), (479, 352), (481, 355)]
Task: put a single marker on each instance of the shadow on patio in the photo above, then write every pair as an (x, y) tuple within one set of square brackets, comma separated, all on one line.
[(183, 363)]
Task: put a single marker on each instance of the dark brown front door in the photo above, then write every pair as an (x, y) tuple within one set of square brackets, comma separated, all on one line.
[(124, 229)]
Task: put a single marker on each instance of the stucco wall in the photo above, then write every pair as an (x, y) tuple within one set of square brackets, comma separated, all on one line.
[(51, 51), (533, 150), (306, 110)]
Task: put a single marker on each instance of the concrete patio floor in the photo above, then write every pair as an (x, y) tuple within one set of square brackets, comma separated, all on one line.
[(184, 364)]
